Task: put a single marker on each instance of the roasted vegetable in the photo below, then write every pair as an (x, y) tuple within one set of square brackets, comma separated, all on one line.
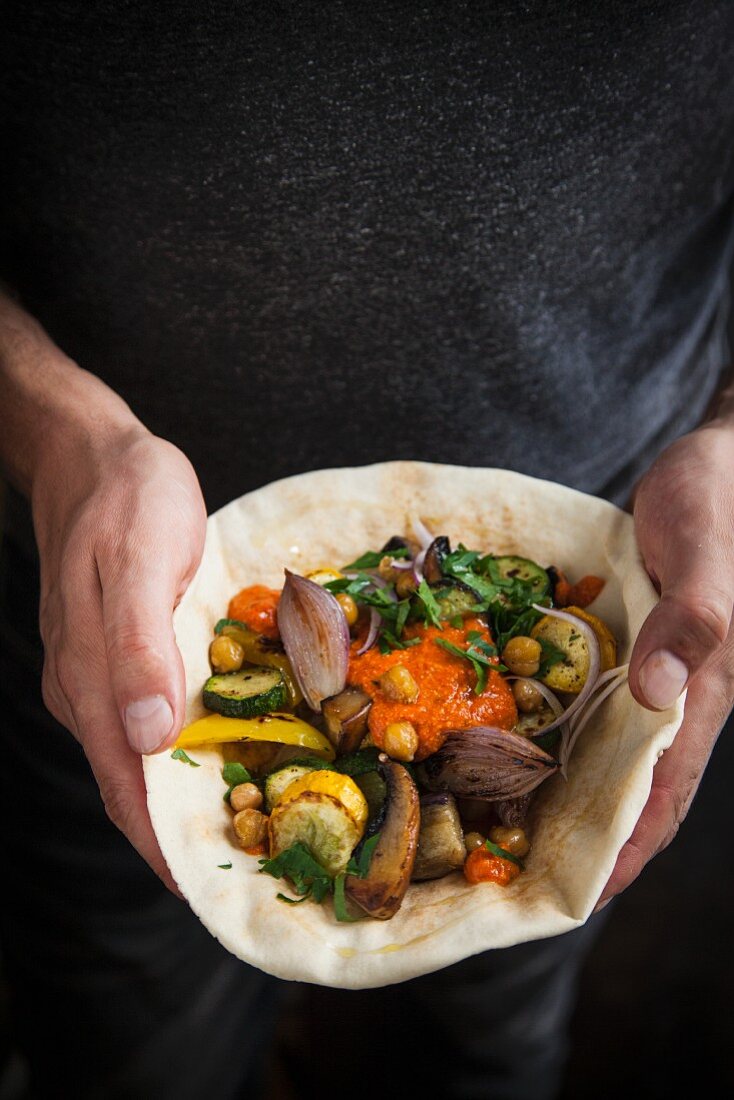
[(246, 693), (441, 846), (259, 650), (281, 778), (345, 716), (325, 811), (286, 729), (382, 891), (433, 561), (454, 598), (487, 763), (511, 567), (316, 638), (570, 675)]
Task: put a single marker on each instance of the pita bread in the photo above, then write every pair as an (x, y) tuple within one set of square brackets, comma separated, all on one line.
[(329, 517)]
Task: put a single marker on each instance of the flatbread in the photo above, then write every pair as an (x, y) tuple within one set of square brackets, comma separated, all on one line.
[(329, 517)]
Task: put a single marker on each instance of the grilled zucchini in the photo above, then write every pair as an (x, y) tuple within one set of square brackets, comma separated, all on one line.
[(247, 693)]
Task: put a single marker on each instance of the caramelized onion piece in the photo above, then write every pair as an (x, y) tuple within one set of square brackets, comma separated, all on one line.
[(316, 638), (488, 763)]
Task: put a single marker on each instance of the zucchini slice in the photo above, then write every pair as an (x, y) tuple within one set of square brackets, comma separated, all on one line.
[(510, 567), (246, 693), (455, 599), (570, 675), (278, 780)]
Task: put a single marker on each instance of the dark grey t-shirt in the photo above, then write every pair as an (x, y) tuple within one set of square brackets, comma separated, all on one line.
[(295, 235)]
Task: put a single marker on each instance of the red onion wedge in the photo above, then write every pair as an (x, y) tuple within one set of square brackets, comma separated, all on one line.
[(613, 679), (372, 632), (421, 532), (488, 763), (316, 638), (592, 644), (417, 566)]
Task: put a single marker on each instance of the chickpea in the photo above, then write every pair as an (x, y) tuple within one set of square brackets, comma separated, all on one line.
[(528, 698), (522, 655), (348, 606), (513, 840), (226, 654), (245, 796), (405, 585), (399, 685), (401, 741), (472, 841), (250, 827), (387, 571)]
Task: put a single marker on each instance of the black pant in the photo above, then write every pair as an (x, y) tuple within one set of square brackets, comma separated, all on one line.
[(119, 991)]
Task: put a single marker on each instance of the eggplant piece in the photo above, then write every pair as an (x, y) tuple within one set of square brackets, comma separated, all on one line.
[(512, 812), (345, 716), (381, 892), (441, 840), (397, 542), (433, 561)]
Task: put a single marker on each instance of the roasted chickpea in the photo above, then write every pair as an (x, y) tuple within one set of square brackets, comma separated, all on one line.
[(513, 840), (250, 827), (246, 796), (528, 698), (405, 584), (348, 606), (387, 571), (401, 741), (472, 841), (225, 654), (399, 685), (522, 655)]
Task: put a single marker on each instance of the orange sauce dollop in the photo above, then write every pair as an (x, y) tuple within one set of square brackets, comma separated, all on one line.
[(447, 699), (256, 607)]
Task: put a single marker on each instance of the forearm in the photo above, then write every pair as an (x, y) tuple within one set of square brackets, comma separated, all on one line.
[(51, 407)]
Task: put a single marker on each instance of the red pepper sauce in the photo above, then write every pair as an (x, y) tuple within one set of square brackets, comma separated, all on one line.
[(256, 607), (447, 699)]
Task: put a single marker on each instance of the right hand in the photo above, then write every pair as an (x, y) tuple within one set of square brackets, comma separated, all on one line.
[(120, 524)]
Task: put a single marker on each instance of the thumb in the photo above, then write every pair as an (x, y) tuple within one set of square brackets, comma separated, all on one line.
[(688, 625), (145, 667)]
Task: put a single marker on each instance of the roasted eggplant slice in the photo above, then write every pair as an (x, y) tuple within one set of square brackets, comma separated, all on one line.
[(441, 840), (512, 812), (381, 892), (345, 715), (433, 562), (397, 542)]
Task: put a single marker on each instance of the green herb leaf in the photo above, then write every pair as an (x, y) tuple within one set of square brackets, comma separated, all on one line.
[(479, 653), (432, 610), (179, 754), (341, 911), (550, 655), (224, 866), (497, 851), (294, 901), (307, 875), (372, 558), (233, 774), (361, 865)]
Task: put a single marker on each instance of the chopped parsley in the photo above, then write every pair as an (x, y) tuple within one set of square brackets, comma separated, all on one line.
[(310, 880), (479, 653), (550, 655), (372, 558), (233, 774), (179, 754), (431, 609), (503, 854), (224, 866)]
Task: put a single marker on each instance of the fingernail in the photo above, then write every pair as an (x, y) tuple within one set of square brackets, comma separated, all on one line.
[(148, 723), (602, 905), (662, 678)]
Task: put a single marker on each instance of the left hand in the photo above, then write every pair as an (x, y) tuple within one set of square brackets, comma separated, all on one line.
[(684, 521)]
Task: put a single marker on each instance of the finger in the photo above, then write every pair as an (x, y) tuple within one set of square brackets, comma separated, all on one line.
[(692, 619), (81, 681), (675, 781), (146, 671)]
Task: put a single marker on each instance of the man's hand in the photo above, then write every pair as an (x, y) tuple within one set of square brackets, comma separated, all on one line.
[(120, 523), (684, 519)]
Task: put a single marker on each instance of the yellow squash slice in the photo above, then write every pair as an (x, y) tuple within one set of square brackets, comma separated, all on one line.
[(309, 813), (570, 675), (284, 729)]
